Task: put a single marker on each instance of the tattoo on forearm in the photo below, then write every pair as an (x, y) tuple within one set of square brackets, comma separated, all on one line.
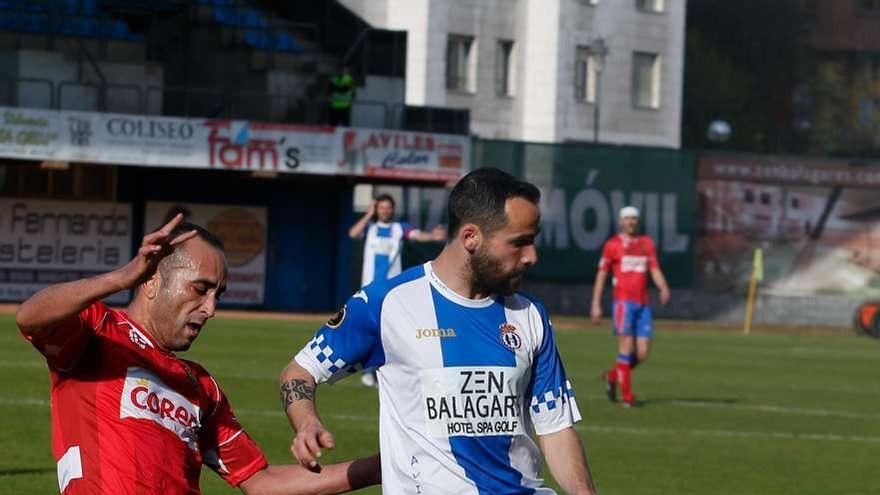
[(294, 390)]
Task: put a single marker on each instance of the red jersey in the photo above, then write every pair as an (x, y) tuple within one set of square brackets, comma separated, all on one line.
[(129, 418), (629, 260)]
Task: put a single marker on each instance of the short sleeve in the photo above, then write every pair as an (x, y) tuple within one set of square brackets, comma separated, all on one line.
[(370, 225), (552, 406), (407, 229), (653, 264), (607, 257), (226, 448), (348, 342), (64, 344)]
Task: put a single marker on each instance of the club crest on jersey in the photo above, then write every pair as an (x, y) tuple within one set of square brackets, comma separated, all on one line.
[(509, 337), (138, 338), (337, 319)]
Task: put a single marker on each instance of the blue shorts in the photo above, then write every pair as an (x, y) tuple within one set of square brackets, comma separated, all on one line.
[(633, 319)]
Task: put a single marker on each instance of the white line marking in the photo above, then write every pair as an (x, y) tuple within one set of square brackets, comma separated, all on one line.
[(776, 409), (371, 423), (767, 408), (731, 434), (24, 402)]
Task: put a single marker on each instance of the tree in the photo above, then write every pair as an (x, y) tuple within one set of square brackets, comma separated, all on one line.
[(743, 60)]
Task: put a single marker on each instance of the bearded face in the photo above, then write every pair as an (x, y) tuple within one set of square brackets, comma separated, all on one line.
[(492, 276), (498, 264)]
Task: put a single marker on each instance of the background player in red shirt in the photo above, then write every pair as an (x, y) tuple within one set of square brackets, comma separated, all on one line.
[(128, 415), (630, 257)]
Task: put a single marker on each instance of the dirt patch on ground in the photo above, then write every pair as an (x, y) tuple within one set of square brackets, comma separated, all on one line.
[(562, 323)]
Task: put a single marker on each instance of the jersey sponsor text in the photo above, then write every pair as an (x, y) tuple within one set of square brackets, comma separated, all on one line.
[(145, 396), (474, 401), (629, 263)]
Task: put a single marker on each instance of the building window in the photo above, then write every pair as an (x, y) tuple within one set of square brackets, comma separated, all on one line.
[(461, 63), (646, 80), (585, 75), (651, 5), (504, 68)]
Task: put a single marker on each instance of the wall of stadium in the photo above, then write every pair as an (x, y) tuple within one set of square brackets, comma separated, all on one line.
[(43, 242), (288, 187), (816, 220)]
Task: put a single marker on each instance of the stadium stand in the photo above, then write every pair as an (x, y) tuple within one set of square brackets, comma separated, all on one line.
[(79, 18), (260, 60)]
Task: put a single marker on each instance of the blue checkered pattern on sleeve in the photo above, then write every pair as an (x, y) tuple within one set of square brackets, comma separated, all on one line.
[(324, 354), (552, 398)]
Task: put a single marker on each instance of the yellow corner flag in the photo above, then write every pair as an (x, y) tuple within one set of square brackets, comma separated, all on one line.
[(758, 265), (757, 276)]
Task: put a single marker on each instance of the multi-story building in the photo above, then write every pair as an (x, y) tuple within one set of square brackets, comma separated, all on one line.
[(836, 26), (532, 70), (846, 36)]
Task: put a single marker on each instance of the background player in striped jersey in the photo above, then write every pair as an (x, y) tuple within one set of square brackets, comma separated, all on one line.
[(383, 245), (468, 368), (128, 415), (630, 257)]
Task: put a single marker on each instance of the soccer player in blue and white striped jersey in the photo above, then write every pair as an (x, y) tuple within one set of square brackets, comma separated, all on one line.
[(383, 245), (468, 369), (383, 239)]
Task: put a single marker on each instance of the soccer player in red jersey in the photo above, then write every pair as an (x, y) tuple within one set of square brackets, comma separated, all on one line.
[(128, 415), (629, 257)]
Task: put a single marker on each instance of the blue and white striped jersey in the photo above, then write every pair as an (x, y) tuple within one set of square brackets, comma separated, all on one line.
[(463, 384), (382, 246)]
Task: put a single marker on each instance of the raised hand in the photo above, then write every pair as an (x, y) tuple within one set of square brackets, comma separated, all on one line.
[(154, 247)]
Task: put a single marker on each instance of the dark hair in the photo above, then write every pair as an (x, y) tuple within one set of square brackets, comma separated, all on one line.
[(176, 256), (201, 232), (480, 196), (386, 197)]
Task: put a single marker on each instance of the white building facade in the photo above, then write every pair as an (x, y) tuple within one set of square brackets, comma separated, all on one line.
[(526, 69)]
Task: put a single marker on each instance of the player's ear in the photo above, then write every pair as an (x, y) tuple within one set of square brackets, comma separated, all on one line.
[(470, 237), (150, 287)]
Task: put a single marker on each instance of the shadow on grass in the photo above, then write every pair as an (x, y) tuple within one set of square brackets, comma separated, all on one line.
[(23, 471)]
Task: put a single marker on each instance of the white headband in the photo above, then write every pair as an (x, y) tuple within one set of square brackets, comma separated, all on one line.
[(629, 211)]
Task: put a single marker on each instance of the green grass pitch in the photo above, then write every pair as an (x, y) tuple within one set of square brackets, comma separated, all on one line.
[(724, 413)]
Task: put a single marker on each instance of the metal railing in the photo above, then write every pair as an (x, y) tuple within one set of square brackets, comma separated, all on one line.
[(218, 103), (27, 92)]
